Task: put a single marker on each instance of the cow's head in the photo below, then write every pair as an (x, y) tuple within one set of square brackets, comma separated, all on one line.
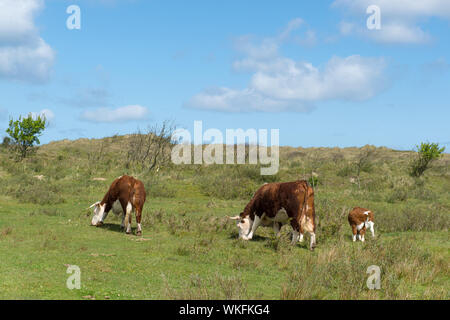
[(244, 224), (99, 213)]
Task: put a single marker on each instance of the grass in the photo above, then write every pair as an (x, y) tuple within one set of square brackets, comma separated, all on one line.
[(189, 250)]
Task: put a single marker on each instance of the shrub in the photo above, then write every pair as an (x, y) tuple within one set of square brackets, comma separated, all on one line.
[(426, 153), (6, 142), (159, 186), (229, 182), (313, 181), (33, 190), (345, 171), (25, 133), (397, 194)]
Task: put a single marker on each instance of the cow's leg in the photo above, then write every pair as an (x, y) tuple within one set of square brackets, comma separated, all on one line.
[(312, 236), (372, 229), (138, 221), (255, 226), (359, 227), (122, 225), (307, 225), (277, 228), (295, 233), (129, 210), (312, 243), (301, 238), (354, 231), (362, 232)]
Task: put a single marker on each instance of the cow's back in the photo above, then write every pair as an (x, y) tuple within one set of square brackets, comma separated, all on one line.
[(272, 197)]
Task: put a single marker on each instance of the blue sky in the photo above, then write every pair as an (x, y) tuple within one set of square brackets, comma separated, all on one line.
[(311, 69)]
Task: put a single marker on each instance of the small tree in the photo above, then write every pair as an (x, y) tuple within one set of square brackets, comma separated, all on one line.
[(25, 133), (426, 153), (152, 150)]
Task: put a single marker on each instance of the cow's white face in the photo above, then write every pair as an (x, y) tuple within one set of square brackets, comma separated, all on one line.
[(99, 214), (244, 225)]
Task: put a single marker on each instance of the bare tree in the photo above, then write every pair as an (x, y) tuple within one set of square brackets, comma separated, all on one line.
[(152, 149)]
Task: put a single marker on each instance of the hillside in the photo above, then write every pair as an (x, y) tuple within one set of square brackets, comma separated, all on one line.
[(189, 248)]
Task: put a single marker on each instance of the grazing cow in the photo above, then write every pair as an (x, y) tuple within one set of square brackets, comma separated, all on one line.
[(275, 204), (125, 195), (360, 219)]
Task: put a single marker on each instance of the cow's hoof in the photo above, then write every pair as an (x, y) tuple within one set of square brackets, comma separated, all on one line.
[(128, 232), (139, 233), (99, 224)]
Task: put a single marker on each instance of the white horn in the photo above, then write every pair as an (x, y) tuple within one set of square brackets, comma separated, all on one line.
[(94, 204), (234, 218)]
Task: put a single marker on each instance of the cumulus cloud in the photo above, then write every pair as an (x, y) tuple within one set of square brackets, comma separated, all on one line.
[(47, 113), (405, 9), (282, 84), (24, 55), (399, 19), (122, 114)]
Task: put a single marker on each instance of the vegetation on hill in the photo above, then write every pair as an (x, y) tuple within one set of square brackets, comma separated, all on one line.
[(190, 249)]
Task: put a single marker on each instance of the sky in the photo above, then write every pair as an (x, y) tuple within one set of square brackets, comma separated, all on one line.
[(312, 69)]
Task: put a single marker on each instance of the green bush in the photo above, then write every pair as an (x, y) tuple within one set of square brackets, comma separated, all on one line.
[(33, 190), (313, 181), (426, 153), (345, 171), (158, 186), (25, 134)]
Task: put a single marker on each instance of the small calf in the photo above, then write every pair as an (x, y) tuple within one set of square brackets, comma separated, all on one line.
[(360, 219)]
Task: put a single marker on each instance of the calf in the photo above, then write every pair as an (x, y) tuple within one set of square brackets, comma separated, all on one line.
[(125, 195), (360, 219), (275, 204)]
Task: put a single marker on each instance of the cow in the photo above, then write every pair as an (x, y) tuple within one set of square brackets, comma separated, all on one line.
[(275, 204), (360, 219), (125, 195)]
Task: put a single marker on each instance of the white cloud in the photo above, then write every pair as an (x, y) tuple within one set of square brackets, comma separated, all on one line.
[(399, 19), (401, 33), (286, 85), (23, 54), (245, 100), (351, 78), (404, 9), (282, 84), (122, 114), (47, 113)]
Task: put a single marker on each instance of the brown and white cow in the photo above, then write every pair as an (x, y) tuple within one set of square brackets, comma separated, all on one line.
[(125, 195), (360, 219), (275, 204)]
